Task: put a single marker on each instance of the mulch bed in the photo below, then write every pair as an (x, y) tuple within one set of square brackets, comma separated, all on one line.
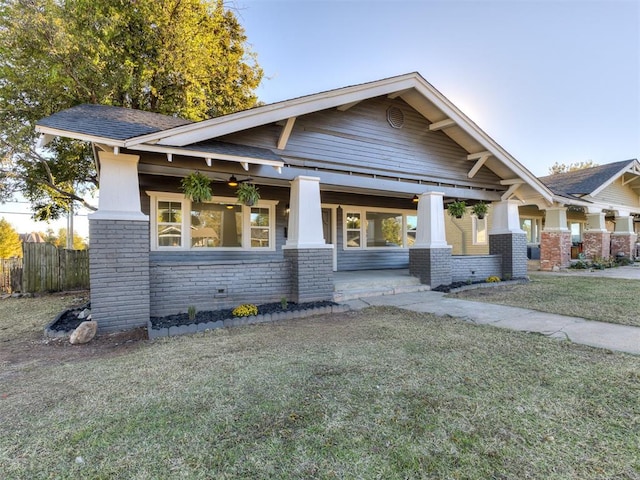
[(68, 320)]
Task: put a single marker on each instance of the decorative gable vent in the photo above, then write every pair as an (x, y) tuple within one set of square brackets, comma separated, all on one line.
[(395, 117)]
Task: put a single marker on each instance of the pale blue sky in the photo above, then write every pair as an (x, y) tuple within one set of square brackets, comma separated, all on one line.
[(548, 80)]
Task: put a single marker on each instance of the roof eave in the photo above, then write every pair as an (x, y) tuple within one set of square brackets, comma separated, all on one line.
[(55, 132)]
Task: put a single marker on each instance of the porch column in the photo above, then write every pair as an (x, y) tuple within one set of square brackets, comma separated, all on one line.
[(310, 257), (430, 256), (507, 239), (596, 239), (555, 240), (624, 238), (119, 252)]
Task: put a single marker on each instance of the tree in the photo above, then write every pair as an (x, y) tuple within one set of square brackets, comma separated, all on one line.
[(10, 244), (60, 240), (178, 57), (571, 167)]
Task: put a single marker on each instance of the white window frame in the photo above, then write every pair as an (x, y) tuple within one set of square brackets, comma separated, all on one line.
[(156, 197), (362, 211), (536, 225), (475, 221)]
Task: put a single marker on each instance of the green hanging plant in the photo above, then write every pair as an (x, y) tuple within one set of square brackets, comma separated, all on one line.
[(480, 209), (196, 187), (248, 194), (457, 209)]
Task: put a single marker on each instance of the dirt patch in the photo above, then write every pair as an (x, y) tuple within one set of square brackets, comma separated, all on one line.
[(40, 350)]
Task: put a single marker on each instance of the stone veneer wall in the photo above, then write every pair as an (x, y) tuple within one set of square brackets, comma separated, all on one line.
[(119, 272), (623, 243), (212, 286), (513, 249), (555, 250), (431, 265), (311, 274), (475, 267), (596, 244)]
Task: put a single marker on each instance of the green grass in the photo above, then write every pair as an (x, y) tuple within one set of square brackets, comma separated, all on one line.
[(609, 300), (381, 393)]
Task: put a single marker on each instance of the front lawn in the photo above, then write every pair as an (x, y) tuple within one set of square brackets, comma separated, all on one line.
[(381, 393), (611, 300)]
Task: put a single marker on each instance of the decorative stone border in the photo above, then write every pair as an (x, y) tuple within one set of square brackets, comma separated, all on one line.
[(502, 283), (240, 321)]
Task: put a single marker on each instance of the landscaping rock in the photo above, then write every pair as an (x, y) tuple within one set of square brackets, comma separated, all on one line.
[(84, 333), (84, 313)]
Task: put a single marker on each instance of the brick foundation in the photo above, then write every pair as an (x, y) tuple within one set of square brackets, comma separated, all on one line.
[(513, 249), (119, 272), (431, 265), (623, 243), (596, 244), (555, 250), (311, 274)]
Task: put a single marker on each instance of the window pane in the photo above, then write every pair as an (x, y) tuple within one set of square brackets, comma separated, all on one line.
[(412, 224), (169, 219), (527, 226), (353, 221), (384, 229), (169, 236), (216, 225), (169, 212), (481, 231), (353, 239), (260, 231)]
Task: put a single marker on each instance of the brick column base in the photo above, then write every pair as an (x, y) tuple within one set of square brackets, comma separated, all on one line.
[(311, 274), (623, 243), (513, 248), (119, 273), (431, 265), (596, 244), (555, 250)]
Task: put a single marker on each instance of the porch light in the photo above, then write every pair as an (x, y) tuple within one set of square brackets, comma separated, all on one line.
[(233, 181), (415, 199)]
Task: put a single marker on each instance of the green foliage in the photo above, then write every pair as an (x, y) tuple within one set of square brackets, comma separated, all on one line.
[(248, 194), (245, 310), (191, 311), (178, 57), (493, 279), (283, 303), (10, 244), (60, 240), (457, 209), (571, 167), (197, 187), (480, 209)]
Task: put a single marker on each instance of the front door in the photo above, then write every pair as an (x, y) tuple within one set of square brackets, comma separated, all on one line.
[(329, 231)]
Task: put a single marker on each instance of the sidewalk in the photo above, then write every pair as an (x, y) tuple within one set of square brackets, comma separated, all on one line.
[(620, 338)]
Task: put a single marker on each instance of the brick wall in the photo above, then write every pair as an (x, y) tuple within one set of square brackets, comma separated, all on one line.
[(555, 250), (211, 286), (431, 265), (311, 273), (596, 244), (475, 267), (119, 271), (623, 243), (512, 247)]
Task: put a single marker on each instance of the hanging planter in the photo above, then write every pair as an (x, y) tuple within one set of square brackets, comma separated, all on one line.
[(196, 187), (457, 209), (480, 210), (248, 194)]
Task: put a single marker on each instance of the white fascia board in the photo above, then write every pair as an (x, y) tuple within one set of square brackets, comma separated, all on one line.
[(613, 178), (205, 155), (79, 136), (216, 127), (571, 201), (466, 124)]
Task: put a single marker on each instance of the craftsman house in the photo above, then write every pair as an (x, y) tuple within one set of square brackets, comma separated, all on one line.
[(349, 179)]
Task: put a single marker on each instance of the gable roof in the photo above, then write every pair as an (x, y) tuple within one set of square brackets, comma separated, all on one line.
[(589, 181), (412, 88)]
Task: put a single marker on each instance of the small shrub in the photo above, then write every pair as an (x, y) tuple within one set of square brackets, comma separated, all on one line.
[(283, 303), (245, 310), (493, 279), (624, 261), (579, 265), (191, 311)]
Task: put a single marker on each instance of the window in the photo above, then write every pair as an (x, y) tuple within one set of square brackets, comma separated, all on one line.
[(380, 228), (531, 227), (479, 230), (220, 224), (576, 232)]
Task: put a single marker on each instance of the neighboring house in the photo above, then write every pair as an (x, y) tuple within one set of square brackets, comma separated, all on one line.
[(337, 172), (33, 237), (596, 220)]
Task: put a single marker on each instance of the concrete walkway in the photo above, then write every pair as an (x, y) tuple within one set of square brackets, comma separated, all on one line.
[(586, 332)]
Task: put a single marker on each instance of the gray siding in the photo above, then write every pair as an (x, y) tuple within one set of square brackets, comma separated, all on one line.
[(361, 140), (475, 267)]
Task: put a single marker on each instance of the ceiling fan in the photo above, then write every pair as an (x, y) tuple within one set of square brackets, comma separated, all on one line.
[(232, 181)]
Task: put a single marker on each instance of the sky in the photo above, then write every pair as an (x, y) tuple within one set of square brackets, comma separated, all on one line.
[(550, 81)]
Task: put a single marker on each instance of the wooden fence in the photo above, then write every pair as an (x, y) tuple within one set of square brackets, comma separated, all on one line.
[(46, 268), (10, 275)]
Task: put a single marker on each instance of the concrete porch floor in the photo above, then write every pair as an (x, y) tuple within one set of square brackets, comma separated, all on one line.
[(372, 283)]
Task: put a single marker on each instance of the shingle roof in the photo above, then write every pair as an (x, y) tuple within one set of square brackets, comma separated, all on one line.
[(225, 148), (116, 123), (583, 182)]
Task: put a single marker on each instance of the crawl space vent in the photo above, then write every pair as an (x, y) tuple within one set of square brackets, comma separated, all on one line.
[(395, 117)]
